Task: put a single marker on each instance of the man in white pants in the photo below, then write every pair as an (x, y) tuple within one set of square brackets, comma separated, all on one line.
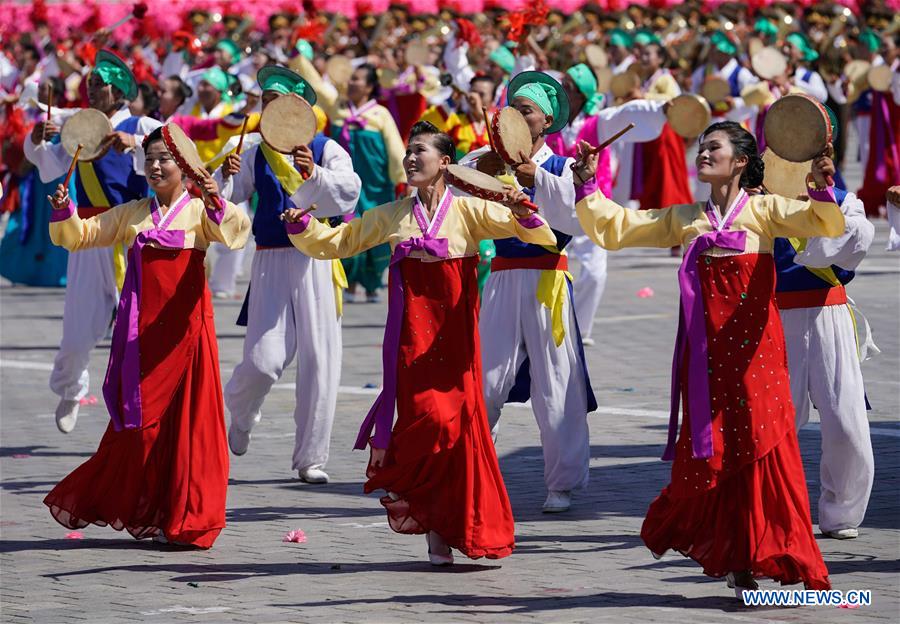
[(292, 307), (823, 360), (530, 345), (114, 179)]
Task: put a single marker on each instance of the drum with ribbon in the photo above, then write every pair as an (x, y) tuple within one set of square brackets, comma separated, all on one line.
[(879, 78), (856, 72), (88, 128), (715, 89), (477, 184), (510, 135), (783, 177), (184, 152), (768, 63), (689, 115), (338, 68), (620, 85), (798, 128), (287, 122)]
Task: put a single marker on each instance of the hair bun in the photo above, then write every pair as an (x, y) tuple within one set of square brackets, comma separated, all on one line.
[(754, 173)]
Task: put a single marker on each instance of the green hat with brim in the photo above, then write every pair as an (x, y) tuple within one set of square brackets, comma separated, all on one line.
[(765, 27), (231, 47), (305, 49), (646, 37), (870, 39), (618, 37), (281, 80), (722, 43), (503, 57), (803, 44), (544, 91), (114, 71)]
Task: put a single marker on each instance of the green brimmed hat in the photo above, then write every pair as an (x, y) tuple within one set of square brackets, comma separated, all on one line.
[(231, 47), (584, 78), (803, 44), (723, 43), (544, 91), (305, 49), (503, 57), (281, 80), (646, 37), (618, 37), (114, 71)]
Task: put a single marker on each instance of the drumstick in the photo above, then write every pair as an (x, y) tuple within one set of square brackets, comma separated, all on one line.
[(72, 166), (49, 102), (612, 139), (487, 123), (240, 144)]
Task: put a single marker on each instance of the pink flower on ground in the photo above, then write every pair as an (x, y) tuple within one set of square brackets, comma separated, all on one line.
[(645, 292), (75, 535), (297, 536), (21, 456)]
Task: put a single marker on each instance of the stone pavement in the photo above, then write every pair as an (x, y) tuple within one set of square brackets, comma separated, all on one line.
[(588, 565)]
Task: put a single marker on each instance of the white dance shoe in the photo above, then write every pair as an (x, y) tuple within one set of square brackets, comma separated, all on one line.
[(238, 440), (557, 501), (439, 554), (313, 475), (588, 342), (67, 415), (842, 534)]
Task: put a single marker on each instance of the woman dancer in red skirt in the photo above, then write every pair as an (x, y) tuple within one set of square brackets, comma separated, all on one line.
[(436, 462), (162, 466), (737, 503)]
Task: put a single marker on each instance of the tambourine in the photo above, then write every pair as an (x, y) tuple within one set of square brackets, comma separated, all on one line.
[(754, 45), (620, 85), (715, 89), (338, 68), (417, 53), (88, 128), (478, 184), (768, 63), (798, 128), (184, 152), (689, 115), (783, 177), (596, 56), (879, 78), (287, 122), (604, 79), (510, 135), (857, 74)]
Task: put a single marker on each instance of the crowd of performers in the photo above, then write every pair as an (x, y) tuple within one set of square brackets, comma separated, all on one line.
[(482, 310)]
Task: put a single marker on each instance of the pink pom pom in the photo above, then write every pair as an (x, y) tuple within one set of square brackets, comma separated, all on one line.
[(645, 292), (75, 535), (297, 536)]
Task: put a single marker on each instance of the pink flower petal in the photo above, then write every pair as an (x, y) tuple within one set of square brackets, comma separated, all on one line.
[(20, 456), (75, 535), (297, 536), (645, 292)]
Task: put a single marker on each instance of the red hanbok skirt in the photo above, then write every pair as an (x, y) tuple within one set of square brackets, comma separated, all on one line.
[(747, 507), (665, 174), (441, 462), (171, 474)]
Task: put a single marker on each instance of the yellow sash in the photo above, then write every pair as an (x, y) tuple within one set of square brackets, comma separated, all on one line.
[(283, 168), (551, 292), (97, 197)]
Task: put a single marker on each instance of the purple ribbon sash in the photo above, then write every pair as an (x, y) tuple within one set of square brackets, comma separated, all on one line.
[(692, 331), (123, 374), (355, 119), (884, 141), (381, 416)]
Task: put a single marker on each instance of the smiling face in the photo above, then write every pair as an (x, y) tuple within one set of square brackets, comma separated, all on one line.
[(716, 161), (162, 172), (358, 89), (423, 161), (534, 116)]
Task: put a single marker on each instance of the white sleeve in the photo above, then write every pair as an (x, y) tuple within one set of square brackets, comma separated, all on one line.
[(524, 63), (846, 250), (815, 86), (239, 187), (697, 80), (646, 115), (555, 196), (51, 159), (836, 90), (334, 187), (456, 61), (746, 78), (893, 214), (895, 87)]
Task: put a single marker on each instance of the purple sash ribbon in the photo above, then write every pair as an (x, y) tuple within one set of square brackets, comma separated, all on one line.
[(356, 119), (381, 415), (123, 374), (692, 331), (884, 140)]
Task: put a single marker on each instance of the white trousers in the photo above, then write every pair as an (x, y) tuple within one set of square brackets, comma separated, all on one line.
[(515, 325), (90, 298), (591, 281), (291, 312), (824, 369)]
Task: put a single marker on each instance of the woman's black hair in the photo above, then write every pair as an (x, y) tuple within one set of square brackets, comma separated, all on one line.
[(371, 79), (744, 144), (155, 135), (440, 140), (184, 91), (150, 97)]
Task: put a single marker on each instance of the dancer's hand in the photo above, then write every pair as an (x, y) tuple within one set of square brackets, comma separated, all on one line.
[(526, 170), (60, 199), (585, 167), (823, 168), (515, 200), (893, 195), (43, 131), (232, 165), (303, 159), (294, 215)]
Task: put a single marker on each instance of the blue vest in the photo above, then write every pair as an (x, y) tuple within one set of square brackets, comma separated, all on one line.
[(733, 82), (792, 276), (116, 174), (515, 248), (268, 229)]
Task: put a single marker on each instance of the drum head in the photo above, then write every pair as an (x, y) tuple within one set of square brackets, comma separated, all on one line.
[(90, 128), (880, 77), (768, 63), (754, 45), (783, 177), (715, 89), (622, 84), (474, 182), (387, 77), (689, 115), (184, 152), (604, 79), (339, 69), (596, 56), (287, 122), (417, 53), (797, 128), (512, 134)]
